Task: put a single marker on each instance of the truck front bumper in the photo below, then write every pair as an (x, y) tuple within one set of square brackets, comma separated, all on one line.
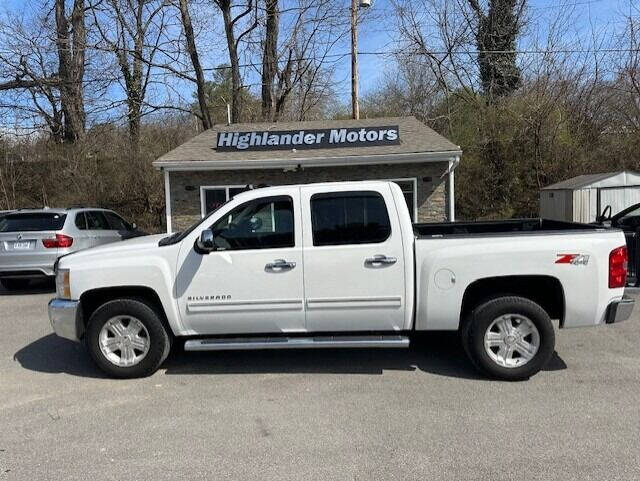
[(66, 318), (620, 310)]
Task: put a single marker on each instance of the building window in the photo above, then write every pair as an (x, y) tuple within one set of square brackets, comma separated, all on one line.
[(410, 191), (212, 197)]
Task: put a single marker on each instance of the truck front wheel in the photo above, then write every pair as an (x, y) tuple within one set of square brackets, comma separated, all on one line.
[(127, 339), (509, 338)]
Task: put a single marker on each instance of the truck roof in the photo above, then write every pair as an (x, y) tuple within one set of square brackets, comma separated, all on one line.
[(355, 183)]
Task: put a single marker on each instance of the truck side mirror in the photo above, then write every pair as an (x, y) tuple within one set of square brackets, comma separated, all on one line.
[(204, 243)]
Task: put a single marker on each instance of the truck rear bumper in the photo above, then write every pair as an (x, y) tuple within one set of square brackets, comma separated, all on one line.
[(66, 318), (620, 310)]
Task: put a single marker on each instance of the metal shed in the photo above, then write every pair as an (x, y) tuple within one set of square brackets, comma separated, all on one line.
[(582, 198)]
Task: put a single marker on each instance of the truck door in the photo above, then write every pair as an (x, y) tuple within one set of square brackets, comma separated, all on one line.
[(353, 257), (253, 281)]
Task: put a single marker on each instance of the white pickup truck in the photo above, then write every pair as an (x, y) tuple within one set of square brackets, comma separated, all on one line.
[(340, 265)]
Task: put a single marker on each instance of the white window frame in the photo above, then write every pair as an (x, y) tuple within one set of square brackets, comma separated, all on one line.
[(414, 181), (226, 188)]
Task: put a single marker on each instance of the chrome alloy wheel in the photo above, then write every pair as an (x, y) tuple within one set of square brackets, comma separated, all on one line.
[(124, 341), (512, 340)]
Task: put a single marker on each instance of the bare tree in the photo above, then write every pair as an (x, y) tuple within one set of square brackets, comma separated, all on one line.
[(298, 68), (71, 41), (233, 24), (205, 115), (132, 30), (270, 58), (56, 93)]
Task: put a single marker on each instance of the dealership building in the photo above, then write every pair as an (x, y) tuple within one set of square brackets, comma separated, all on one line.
[(211, 168)]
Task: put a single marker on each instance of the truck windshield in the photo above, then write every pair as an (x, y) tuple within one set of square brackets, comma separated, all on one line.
[(32, 222)]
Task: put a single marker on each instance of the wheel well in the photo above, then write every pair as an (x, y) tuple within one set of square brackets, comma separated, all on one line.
[(91, 300), (543, 290)]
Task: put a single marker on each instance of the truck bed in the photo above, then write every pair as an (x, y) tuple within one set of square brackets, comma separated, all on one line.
[(500, 227)]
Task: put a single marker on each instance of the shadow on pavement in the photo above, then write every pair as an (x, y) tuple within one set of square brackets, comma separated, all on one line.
[(53, 354), (439, 353)]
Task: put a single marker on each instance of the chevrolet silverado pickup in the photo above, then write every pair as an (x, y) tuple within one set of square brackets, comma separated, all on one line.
[(340, 265)]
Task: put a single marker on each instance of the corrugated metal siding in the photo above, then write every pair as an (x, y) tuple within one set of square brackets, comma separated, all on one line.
[(619, 198), (577, 199), (556, 204), (585, 205)]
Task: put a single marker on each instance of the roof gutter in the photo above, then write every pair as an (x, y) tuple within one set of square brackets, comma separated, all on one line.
[(403, 158)]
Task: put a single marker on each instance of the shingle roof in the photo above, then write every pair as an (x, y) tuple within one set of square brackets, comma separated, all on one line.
[(582, 181), (415, 137)]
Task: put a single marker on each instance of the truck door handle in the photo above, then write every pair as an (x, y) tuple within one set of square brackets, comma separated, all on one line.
[(380, 259), (280, 264)]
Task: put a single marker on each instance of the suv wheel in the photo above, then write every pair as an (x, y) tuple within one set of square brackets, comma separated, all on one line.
[(127, 339), (509, 338), (15, 284)]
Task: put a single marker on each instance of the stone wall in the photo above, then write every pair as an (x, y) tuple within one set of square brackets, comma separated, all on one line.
[(431, 185)]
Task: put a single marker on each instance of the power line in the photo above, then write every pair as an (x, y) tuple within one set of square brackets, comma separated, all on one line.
[(168, 72), (565, 5)]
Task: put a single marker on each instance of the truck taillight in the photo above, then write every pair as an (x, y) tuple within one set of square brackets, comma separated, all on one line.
[(60, 240), (618, 267)]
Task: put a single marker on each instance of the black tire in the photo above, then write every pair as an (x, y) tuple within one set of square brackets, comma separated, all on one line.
[(479, 320), (160, 342), (15, 284)]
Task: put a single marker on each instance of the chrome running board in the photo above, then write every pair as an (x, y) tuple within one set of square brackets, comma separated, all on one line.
[(240, 343)]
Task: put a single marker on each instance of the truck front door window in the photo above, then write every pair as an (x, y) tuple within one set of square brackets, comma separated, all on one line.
[(265, 223), (349, 218)]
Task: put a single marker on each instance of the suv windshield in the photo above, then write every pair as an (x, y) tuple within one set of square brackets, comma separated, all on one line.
[(32, 222)]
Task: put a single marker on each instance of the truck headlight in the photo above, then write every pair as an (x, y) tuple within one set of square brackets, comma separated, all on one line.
[(63, 289)]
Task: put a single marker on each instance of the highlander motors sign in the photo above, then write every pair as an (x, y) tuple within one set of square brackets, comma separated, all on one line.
[(308, 139)]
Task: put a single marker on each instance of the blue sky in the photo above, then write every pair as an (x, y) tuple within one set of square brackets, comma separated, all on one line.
[(588, 15), (379, 34)]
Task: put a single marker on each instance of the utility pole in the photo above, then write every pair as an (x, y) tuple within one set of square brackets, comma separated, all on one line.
[(355, 108)]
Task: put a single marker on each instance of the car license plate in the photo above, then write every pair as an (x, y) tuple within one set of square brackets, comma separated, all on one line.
[(22, 245)]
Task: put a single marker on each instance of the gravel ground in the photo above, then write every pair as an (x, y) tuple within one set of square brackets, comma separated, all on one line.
[(421, 413)]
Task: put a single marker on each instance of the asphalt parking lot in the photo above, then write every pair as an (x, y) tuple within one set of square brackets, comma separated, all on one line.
[(411, 414)]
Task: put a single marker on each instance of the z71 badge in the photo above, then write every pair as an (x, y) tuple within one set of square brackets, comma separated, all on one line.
[(575, 259)]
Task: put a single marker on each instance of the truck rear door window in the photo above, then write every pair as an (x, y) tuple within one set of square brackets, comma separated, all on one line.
[(349, 218), (32, 222)]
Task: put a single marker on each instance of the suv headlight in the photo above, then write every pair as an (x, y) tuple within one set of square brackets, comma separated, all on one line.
[(63, 289)]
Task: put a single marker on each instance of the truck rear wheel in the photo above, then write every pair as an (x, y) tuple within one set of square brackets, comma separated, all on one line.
[(127, 339), (509, 338)]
